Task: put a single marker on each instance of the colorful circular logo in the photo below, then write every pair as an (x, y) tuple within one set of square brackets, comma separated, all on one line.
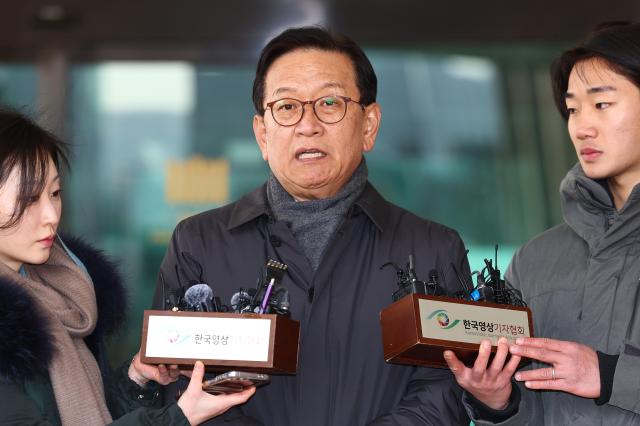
[(173, 336), (443, 319)]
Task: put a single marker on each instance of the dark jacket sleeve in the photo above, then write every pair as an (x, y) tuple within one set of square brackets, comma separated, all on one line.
[(625, 392), (123, 395), (169, 415), (18, 408), (130, 404)]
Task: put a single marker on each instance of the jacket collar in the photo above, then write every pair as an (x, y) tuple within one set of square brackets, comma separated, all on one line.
[(588, 209), (26, 345), (255, 204)]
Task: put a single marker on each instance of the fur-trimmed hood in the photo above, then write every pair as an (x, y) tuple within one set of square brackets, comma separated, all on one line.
[(26, 347)]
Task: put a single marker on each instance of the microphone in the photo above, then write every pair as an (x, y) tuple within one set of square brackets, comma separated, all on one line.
[(199, 298), (273, 275), (267, 296), (482, 292), (171, 299), (433, 286), (280, 302), (241, 300), (408, 282)]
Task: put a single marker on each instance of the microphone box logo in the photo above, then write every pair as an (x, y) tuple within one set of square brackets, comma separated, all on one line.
[(441, 317)]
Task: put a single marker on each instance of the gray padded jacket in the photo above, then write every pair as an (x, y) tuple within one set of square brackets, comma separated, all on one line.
[(581, 281)]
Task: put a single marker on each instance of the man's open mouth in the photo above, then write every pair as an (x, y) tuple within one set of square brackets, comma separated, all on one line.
[(310, 154)]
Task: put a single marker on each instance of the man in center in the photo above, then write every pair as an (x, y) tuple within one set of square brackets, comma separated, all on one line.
[(316, 115)]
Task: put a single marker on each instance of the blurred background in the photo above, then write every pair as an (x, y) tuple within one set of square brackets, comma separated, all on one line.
[(155, 98)]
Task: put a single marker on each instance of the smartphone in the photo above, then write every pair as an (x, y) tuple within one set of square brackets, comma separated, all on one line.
[(233, 382)]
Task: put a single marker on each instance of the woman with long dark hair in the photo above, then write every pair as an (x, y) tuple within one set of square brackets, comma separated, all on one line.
[(59, 299)]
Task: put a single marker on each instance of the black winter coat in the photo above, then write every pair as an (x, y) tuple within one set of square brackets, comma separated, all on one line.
[(342, 377), (26, 395)]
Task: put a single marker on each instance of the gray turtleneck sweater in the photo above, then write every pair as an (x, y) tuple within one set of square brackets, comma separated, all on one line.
[(314, 222)]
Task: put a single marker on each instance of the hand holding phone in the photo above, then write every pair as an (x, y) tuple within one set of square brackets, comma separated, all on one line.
[(198, 406), (234, 382)]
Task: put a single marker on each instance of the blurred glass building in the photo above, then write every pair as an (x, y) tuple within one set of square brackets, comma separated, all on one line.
[(470, 136)]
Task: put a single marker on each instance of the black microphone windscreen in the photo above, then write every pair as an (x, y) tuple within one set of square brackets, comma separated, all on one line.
[(198, 294), (281, 297), (239, 299)]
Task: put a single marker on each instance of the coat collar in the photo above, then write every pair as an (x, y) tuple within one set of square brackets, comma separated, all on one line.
[(588, 209), (255, 204), (26, 346)]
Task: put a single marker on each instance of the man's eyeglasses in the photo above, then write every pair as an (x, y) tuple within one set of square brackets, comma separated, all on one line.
[(328, 109)]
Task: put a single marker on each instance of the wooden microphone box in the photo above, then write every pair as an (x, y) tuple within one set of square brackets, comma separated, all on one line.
[(418, 328), (265, 343)]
